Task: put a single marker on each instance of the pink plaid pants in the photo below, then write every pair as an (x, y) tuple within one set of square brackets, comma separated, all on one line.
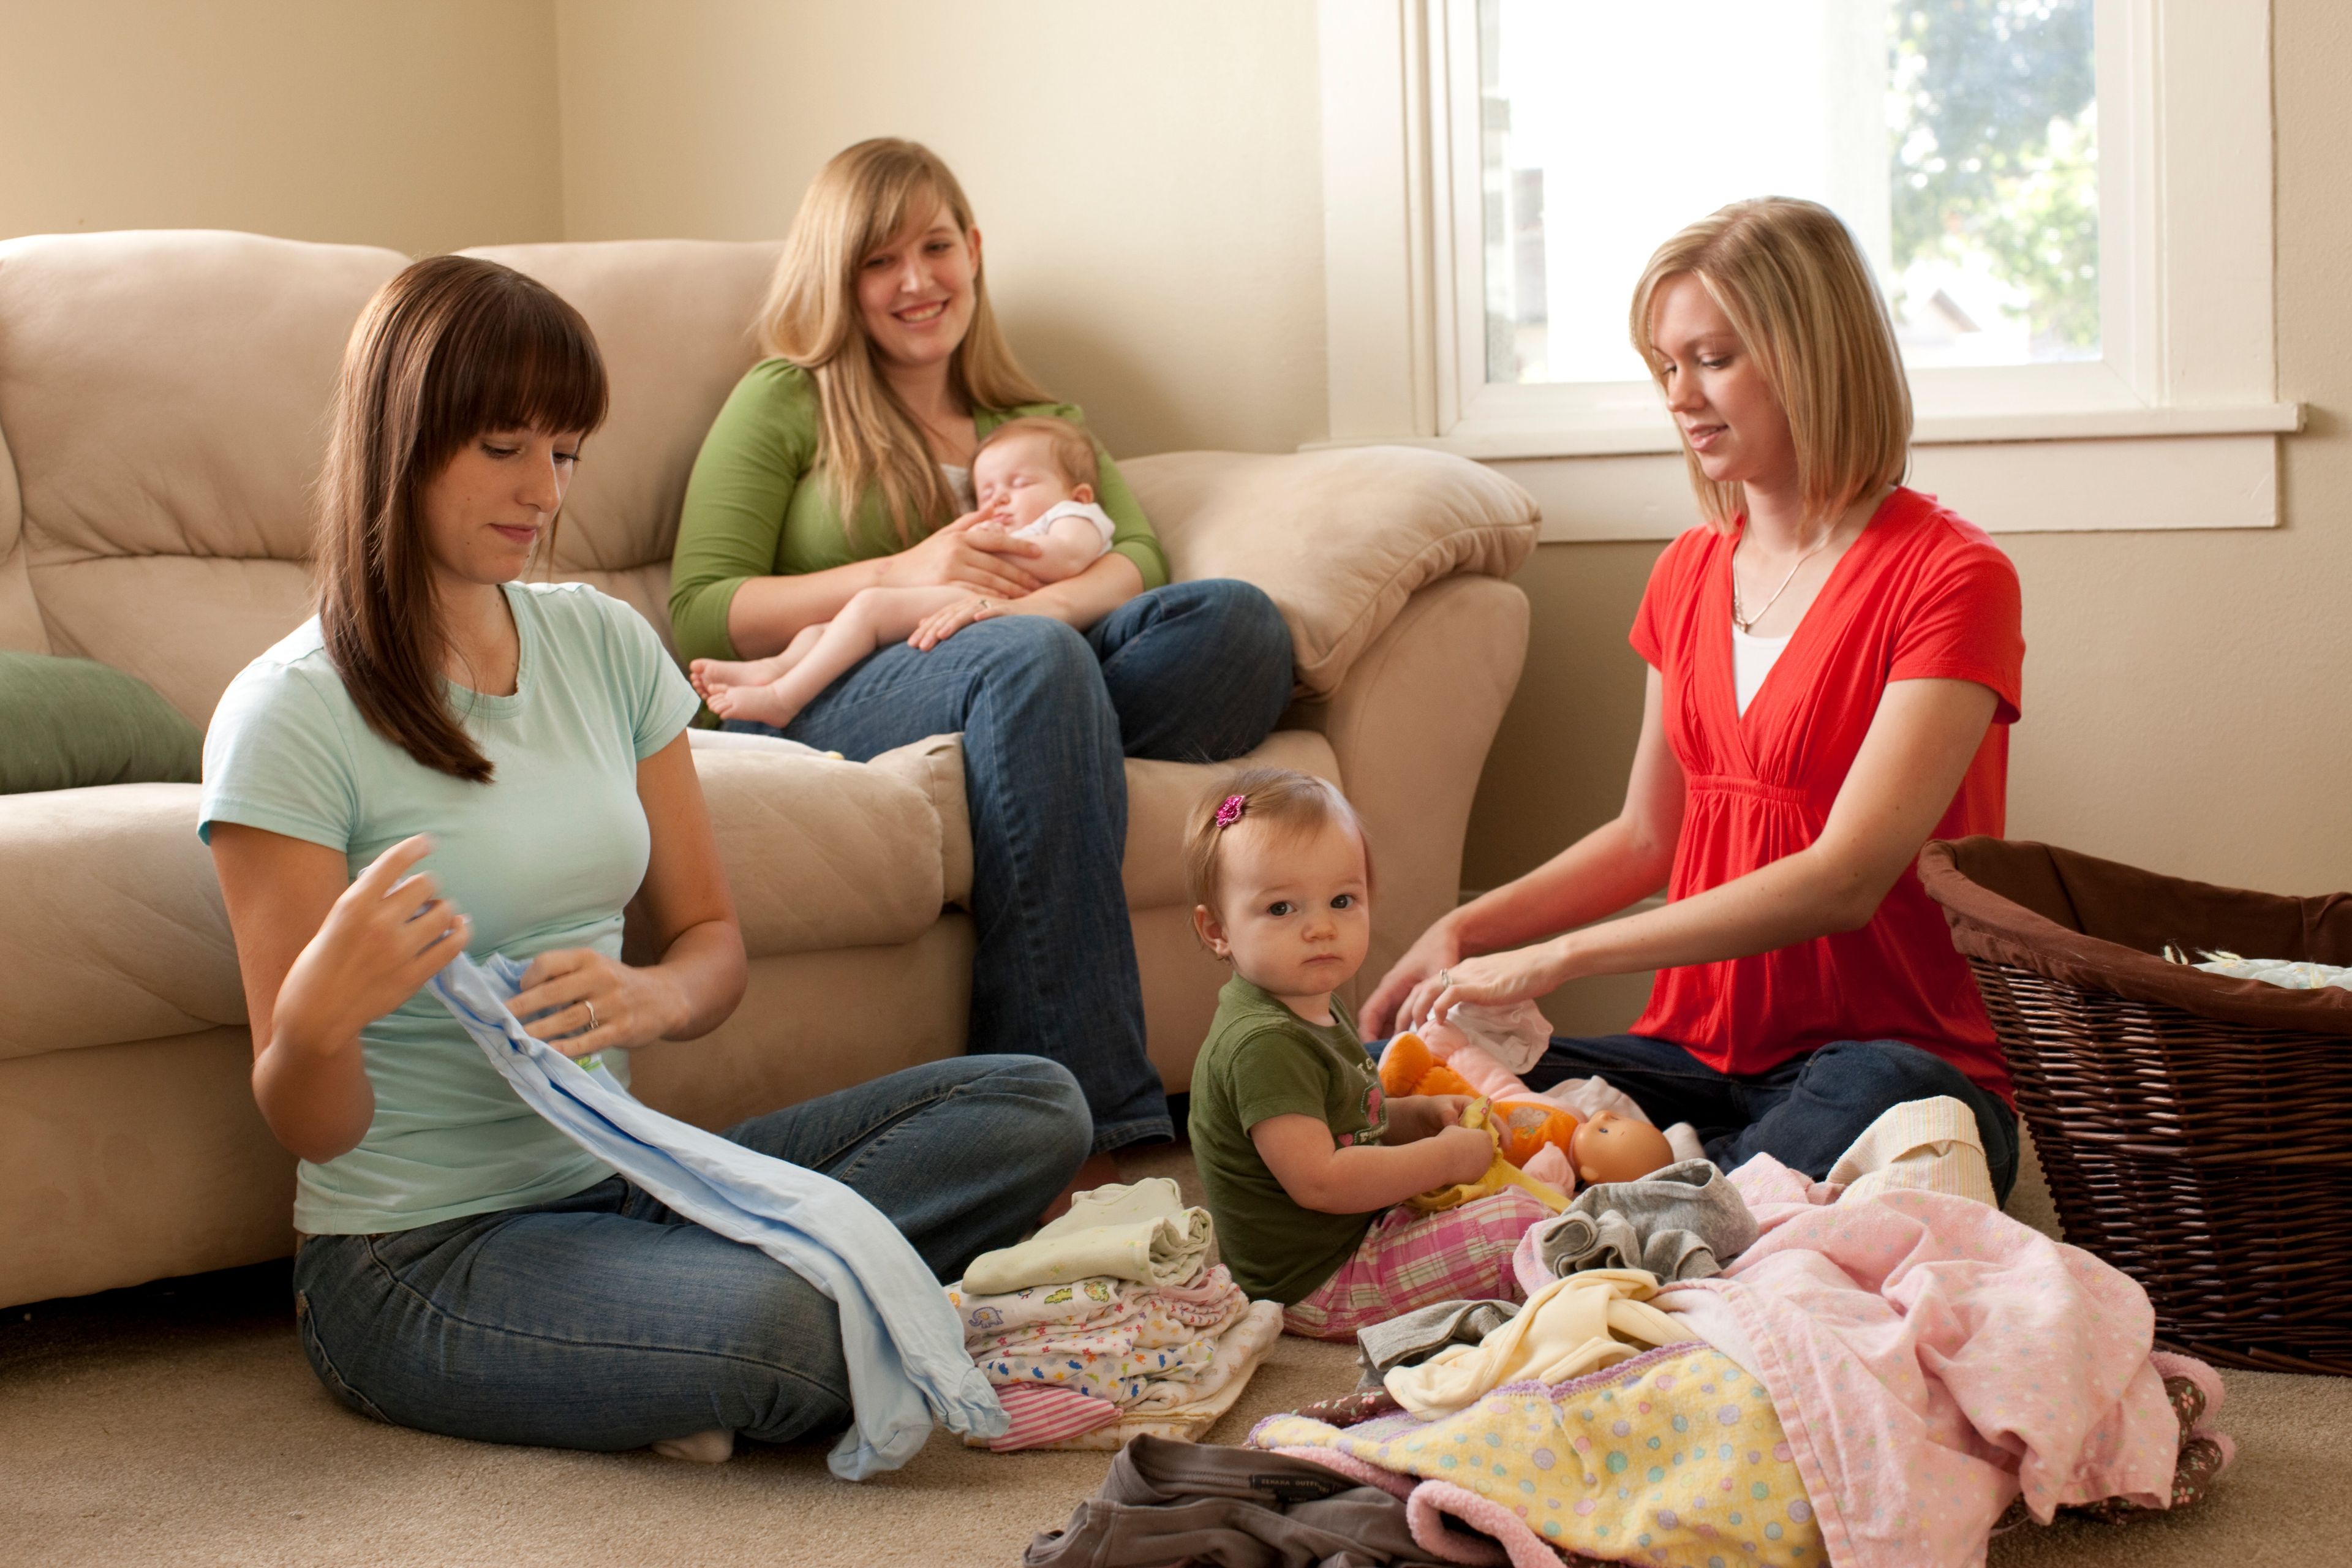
[(1409, 1260)]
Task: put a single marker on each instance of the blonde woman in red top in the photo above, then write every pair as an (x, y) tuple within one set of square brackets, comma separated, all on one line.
[(1834, 664)]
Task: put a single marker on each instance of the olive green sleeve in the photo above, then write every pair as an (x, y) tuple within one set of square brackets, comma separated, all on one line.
[(1131, 534), (759, 450)]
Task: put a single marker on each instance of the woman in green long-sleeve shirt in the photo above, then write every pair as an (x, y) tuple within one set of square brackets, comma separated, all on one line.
[(841, 463)]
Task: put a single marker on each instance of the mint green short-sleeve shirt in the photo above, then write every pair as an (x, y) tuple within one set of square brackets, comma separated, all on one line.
[(545, 855)]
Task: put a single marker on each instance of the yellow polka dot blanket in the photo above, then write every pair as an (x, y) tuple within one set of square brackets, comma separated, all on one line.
[(1673, 1457)]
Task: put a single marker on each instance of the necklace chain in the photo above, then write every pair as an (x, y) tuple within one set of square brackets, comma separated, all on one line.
[(1747, 623)]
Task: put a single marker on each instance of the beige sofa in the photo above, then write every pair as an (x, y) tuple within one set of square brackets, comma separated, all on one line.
[(161, 400)]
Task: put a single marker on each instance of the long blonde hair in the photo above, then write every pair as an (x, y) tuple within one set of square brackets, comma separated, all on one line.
[(1802, 300), (867, 440)]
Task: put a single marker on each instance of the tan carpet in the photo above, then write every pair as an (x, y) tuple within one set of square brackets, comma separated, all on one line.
[(178, 1424)]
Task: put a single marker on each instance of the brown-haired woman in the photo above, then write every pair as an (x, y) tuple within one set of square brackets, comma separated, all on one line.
[(841, 463), (1835, 664), (448, 759)]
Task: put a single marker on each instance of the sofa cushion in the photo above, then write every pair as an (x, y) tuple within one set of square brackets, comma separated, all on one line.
[(673, 320), (161, 394), (114, 930), (66, 723), (112, 926), (1340, 539), (823, 854)]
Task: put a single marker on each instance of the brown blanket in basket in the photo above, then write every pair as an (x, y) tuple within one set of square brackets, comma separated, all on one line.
[(2103, 926)]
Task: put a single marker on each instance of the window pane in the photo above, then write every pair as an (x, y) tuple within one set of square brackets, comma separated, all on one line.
[(1956, 138)]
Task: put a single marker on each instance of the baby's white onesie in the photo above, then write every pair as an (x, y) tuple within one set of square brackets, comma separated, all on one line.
[(1085, 509)]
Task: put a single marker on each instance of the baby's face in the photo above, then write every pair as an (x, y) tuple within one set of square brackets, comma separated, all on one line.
[(1297, 915), (1018, 480)]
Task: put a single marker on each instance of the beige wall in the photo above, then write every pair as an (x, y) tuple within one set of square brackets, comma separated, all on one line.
[(419, 124), (1147, 178)]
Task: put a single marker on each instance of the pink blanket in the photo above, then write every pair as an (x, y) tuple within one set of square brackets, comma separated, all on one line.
[(1929, 1358)]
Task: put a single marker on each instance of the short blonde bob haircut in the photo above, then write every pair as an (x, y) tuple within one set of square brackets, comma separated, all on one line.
[(1800, 296), (1292, 803), (867, 439)]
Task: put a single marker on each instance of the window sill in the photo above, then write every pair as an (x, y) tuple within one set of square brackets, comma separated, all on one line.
[(1626, 433), (2134, 470)]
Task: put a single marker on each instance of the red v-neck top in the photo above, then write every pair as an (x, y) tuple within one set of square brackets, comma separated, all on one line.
[(1920, 594)]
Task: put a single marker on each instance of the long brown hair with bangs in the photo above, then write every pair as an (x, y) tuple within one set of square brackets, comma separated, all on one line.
[(450, 349), (866, 438)]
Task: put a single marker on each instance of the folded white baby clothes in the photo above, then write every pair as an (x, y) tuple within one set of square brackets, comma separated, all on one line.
[(1162, 1338), (1239, 1346), (1249, 1343), (1117, 1202), (1168, 1249), (902, 1343), (1046, 1312), (1931, 1146)]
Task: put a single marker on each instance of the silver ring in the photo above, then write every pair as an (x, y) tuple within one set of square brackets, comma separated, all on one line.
[(986, 605), (1444, 978), (592, 1011)]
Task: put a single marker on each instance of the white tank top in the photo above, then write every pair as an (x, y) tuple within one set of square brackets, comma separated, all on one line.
[(1752, 660)]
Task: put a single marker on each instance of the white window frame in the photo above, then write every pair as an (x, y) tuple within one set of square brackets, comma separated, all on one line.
[(2176, 426)]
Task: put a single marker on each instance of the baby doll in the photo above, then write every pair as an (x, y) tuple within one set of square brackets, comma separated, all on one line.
[(1307, 1166), (1034, 478)]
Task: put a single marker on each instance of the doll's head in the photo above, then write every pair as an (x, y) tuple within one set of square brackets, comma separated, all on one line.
[(1610, 1148), (1281, 877)]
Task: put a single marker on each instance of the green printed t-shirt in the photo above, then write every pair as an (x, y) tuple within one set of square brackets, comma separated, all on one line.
[(1262, 1060), (752, 509), (544, 856)]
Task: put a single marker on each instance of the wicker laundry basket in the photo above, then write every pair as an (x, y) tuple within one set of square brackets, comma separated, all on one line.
[(2196, 1131)]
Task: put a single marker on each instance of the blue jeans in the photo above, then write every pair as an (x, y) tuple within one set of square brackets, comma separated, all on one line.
[(1805, 1114), (1194, 673), (602, 1320)]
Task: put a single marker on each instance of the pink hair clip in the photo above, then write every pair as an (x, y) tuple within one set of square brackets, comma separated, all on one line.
[(1229, 811)]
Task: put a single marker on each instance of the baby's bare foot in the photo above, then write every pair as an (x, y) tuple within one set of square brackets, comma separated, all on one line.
[(762, 703), (710, 674)]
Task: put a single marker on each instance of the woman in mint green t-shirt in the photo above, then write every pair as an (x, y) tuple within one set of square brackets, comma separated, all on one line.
[(448, 758), (841, 463)]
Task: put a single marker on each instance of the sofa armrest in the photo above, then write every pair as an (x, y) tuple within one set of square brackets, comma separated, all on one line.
[(1410, 729), (1340, 539)]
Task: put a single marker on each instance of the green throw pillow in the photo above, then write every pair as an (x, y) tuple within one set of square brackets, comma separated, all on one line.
[(66, 722)]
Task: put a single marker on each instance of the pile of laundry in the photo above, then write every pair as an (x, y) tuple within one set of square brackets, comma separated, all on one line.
[(1111, 1323), (1876, 1370)]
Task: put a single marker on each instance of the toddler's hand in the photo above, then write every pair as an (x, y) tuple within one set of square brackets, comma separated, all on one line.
[(1469, 1151)]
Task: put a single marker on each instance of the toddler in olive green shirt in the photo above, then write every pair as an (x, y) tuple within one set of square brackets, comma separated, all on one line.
[(1301, 1158)]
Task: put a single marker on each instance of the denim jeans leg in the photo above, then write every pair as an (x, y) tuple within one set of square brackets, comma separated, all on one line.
[(963, 1154), (1054, 970), (1198, 672), (1807, 1113), (572, 1325), (605, 1321), (1666, 1081)]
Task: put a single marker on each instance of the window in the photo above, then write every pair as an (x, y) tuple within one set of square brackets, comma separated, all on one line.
[(1960, 141), (2067, 203)]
